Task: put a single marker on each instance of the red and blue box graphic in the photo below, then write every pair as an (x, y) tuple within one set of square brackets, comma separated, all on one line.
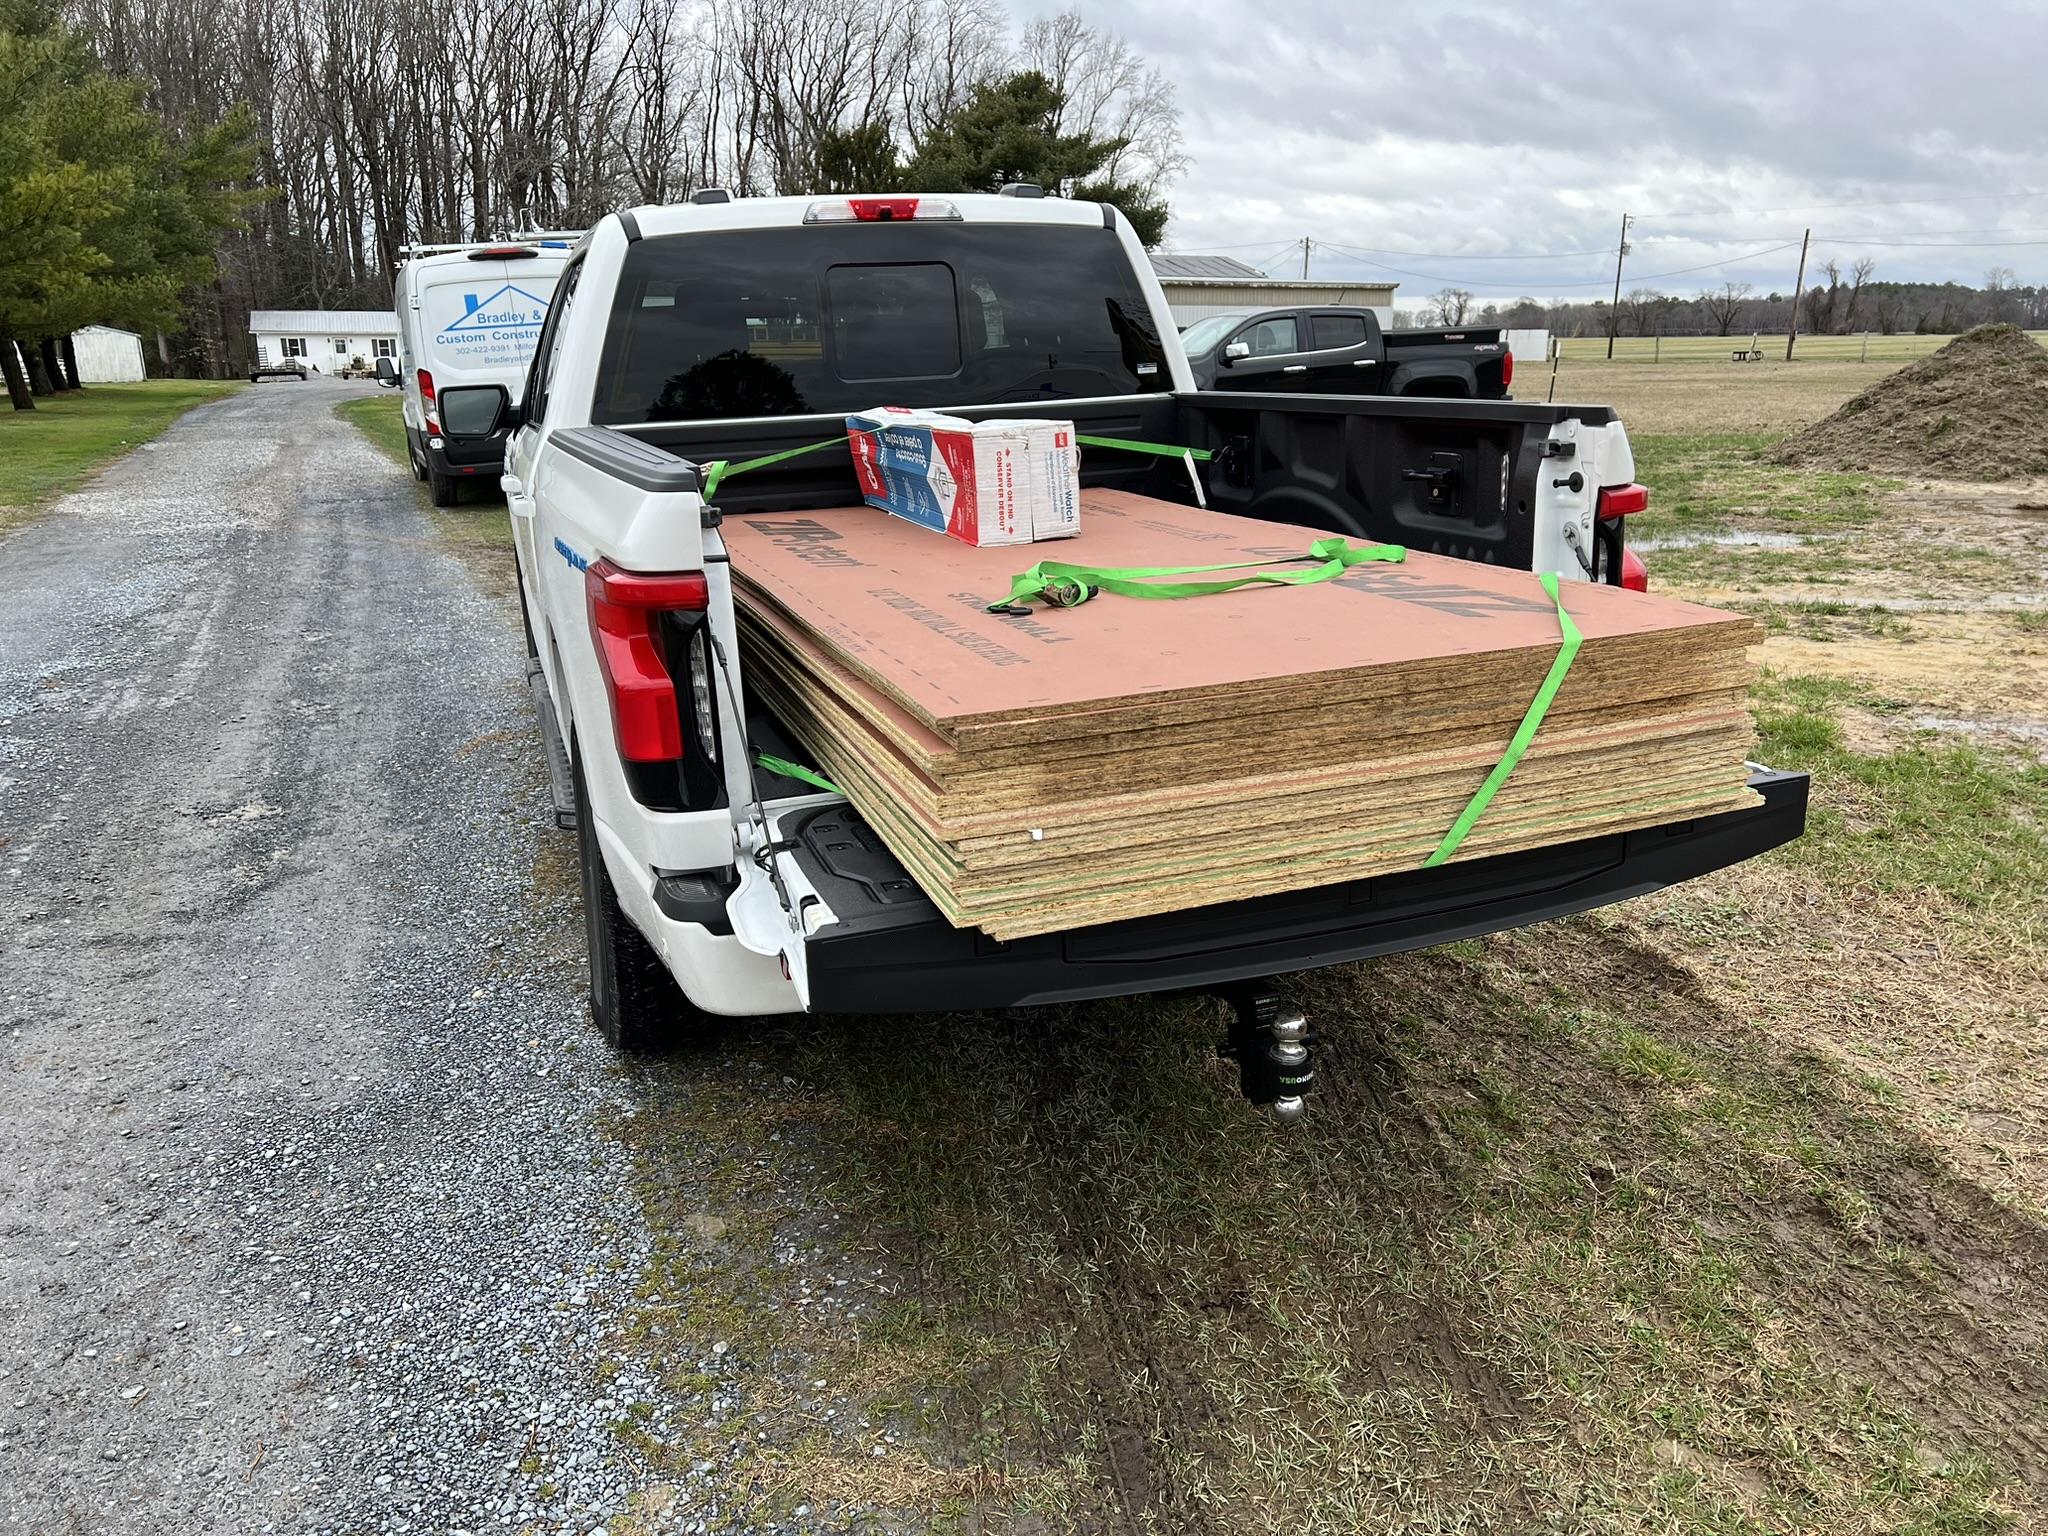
[(984, 483)]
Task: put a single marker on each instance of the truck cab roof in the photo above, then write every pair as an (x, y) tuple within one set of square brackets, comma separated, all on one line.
[(786, 212)]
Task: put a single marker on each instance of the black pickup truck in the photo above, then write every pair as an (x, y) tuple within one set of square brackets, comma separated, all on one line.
[(1342, 351)]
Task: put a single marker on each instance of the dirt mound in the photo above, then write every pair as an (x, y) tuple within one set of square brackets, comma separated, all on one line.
[(1975, 410)]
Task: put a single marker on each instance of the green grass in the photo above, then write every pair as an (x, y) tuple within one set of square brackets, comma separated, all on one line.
[(1717, 482), (1933, 817), (65, 439)]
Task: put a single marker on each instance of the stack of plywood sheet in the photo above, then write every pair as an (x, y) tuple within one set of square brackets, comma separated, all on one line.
[(1128, 757)]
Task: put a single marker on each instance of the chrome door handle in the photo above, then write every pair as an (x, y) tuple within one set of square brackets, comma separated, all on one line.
[(1364, 362), (1295, 368)]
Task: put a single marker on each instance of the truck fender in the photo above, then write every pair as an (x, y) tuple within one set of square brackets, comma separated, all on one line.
[(1450, 381)]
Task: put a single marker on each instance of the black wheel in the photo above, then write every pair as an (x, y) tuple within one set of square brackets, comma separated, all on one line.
[(634, 1002), (441, 487), (412, 456), (252, 378)]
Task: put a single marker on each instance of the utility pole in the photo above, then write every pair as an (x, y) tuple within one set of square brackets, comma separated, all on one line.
[(1614, 314), (1304, 258), (1798, 291)]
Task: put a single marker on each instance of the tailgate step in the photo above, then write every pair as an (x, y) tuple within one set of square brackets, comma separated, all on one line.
[(561, 781)]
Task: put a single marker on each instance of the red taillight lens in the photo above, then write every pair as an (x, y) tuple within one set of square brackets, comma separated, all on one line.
[(1507, 370), (625, 608), (502, 253), (1634, 574), (879, 210), (427, 399), (872, 209), (1622, 500)]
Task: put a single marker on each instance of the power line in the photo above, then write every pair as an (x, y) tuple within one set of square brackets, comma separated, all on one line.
[(1547, 282)]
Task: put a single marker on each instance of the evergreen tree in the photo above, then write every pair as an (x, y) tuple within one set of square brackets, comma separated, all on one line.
[(102, 217), (1006, 132)]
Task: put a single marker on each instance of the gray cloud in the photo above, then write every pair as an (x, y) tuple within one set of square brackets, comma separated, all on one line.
[(1491, 130)]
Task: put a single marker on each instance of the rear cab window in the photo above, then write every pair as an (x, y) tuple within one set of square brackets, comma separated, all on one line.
[(1338, 330), (825, 320)]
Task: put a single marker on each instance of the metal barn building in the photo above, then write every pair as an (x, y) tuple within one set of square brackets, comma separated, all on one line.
[(1207, 285)]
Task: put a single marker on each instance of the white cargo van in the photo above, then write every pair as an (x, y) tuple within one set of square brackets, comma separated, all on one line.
[(468, 314)]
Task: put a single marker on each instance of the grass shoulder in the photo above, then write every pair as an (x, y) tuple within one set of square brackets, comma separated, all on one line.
[(67, 439)]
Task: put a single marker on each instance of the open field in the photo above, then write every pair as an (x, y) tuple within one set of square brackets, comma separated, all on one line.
[(55, 447), (1705, 393), (1875, 349), (1725, 1210)]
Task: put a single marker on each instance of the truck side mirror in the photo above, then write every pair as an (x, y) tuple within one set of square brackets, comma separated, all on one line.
[(1236, 350), (471, 411), (387, 371)]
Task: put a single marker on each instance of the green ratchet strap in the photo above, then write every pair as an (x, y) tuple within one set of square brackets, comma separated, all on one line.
[(1061, 585), (795, 771), (1524, 733), (1131, 445), (718, 471)]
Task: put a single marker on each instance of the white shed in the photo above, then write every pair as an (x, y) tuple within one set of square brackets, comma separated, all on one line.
[(107, 355), (328, 339)]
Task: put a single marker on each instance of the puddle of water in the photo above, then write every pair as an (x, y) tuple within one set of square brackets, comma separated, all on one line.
[(2025, 730), (1728, 540)]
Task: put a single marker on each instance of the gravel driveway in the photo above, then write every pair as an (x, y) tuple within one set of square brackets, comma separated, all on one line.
[(308, 1219)]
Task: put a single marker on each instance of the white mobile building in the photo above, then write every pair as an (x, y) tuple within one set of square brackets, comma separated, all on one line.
[(328, 340)]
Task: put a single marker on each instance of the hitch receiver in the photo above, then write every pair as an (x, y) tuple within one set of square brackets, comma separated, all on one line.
[(1271, 1043)]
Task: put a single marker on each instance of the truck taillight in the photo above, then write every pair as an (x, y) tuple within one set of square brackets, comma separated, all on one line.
[(427, 399), (879, 210), (1507, 370), (626, 609), (1623, 500), (1634, 574)]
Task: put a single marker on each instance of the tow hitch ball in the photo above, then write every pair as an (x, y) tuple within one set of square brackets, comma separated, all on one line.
[(1270, 1042)]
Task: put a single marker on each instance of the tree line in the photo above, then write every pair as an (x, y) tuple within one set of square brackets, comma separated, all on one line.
[(1841, 303), (377, 124)]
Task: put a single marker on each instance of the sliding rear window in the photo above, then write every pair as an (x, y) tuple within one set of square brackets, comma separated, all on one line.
[(787, 322)]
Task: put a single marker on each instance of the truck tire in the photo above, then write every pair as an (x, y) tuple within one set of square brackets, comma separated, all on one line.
[(634, 1002), (442, 488)]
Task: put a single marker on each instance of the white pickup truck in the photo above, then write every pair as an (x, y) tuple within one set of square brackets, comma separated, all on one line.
[(724, 330)]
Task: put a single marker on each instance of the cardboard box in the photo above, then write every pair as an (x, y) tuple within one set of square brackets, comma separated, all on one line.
[(983, 483)]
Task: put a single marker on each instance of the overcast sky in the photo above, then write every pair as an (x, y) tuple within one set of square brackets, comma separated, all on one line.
[(1464, 131)]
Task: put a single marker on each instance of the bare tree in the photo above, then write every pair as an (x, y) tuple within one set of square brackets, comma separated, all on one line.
[(1824, 304), (2000, 300), (1110, 93), (1859, 274), (1642, 306), (1449, 306), (1726, 305)]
